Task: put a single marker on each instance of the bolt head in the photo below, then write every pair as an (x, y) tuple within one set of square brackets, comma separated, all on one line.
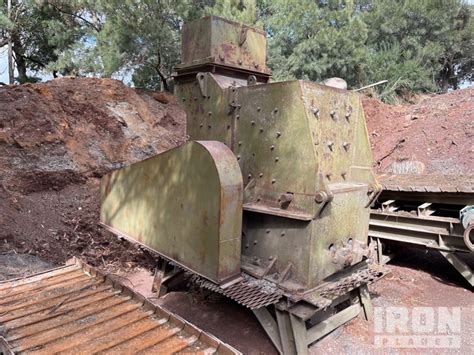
[(320, 197)]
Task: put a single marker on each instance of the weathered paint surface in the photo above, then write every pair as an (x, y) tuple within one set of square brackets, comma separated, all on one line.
[(185, 203), (294, 141), (219, 41), (300, 149)]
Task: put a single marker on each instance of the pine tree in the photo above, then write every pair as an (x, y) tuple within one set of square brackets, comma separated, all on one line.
[(316, 40)]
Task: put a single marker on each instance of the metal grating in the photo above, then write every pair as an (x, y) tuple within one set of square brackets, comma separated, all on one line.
[(76, 309), (250, 292), (325, 295)]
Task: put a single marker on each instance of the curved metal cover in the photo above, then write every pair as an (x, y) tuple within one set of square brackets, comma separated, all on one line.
[(186, 204)]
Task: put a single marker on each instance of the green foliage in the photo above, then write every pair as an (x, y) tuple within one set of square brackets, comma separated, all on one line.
[(39, 32), (244, 11), (316, 40), (428, 39), (418, 45), (5, 23), (130, 39)]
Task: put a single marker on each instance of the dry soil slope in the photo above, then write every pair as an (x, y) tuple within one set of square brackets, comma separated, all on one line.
[(438, 131)]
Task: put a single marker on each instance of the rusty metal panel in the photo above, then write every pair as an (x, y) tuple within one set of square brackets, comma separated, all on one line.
[(59, 314), (214, 40), (186, 204), (305, 157), (207, 114)]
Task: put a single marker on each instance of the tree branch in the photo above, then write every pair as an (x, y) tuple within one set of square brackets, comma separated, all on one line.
[(31, 59), (162, 76), (74, 15)]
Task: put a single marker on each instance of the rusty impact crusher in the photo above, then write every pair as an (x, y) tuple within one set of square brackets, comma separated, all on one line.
[(268, 201)]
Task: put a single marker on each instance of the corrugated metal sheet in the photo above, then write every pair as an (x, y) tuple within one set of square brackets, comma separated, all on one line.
[(76, 309)]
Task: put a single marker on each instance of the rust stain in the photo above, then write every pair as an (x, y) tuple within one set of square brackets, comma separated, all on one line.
[(75, 309)]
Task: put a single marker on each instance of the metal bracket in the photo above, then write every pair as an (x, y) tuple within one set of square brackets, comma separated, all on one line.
[(163, 274), (243, 36), (203, 79), (425, 209), (460, 266), (292, 334)]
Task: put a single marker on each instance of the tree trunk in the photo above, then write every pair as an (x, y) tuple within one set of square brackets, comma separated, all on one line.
[(19, 59), (21, 68), (11, 69)]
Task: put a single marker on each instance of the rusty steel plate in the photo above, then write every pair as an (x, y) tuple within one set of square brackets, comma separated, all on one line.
[(76, 309)]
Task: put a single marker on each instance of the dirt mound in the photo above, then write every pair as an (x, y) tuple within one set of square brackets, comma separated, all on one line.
[(56, 140), (83, 126), (434, 136)]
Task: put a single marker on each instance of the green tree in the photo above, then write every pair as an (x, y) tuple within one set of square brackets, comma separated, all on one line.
[(244, 11), (33, 35), (143, 37), (315, 40), (422, 42)]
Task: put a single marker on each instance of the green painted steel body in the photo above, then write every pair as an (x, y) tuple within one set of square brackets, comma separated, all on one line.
[(288, 141), (214, 40), (185, 203), (303, 155)]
